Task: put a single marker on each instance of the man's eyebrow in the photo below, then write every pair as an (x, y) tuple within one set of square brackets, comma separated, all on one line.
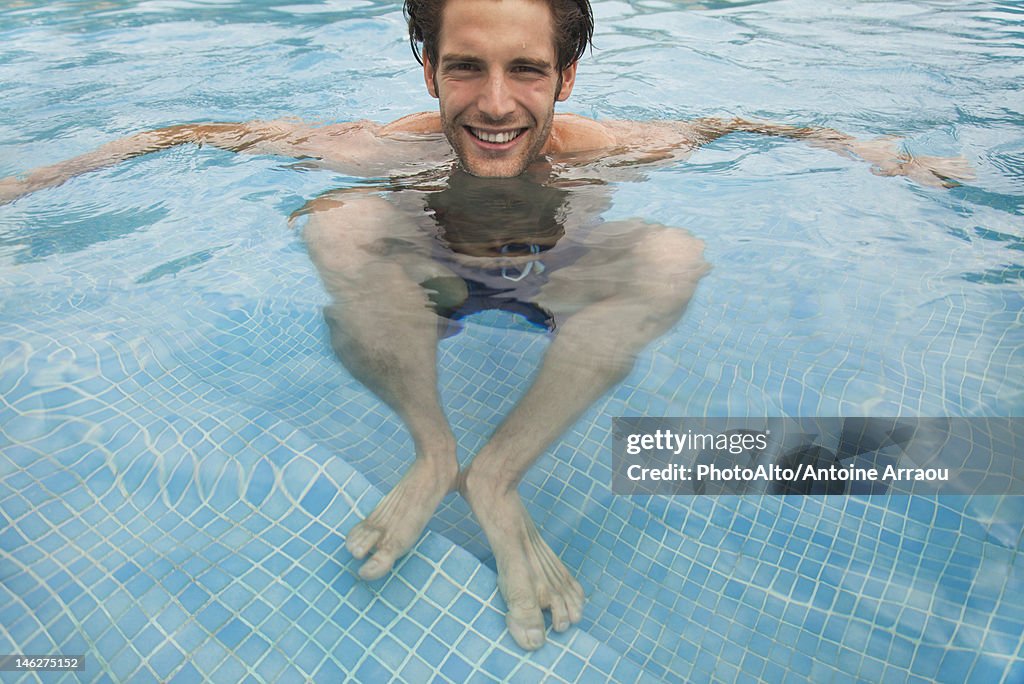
[(456, 58), (532, 62)]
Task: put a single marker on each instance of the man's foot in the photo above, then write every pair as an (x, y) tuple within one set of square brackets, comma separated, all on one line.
[(531, 578), (398, 520)]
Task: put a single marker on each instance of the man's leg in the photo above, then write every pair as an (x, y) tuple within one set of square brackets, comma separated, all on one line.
[(618, 302), (371, 259)]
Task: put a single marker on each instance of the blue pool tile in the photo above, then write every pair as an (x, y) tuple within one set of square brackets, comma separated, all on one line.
[(457, 569), (626, 671), (416, 569), (956, 664), (359, 595), (801, 663), (276, 594), (328, 672), (292, 640), (171, 617), (489, 621), (148, 640), (415, 670), (294, 607), (124, 664), (165, 660), (140, 584), (872, 670), (432, 651), (500, 663), (569, 667), (472, 646), (344, 615), (478, 677), (62, 630), (993, 670), (465, 608), (229, 671), (311, 620), (309, 657), (448, 629), (319, 495), (365, 632), (348, 652), (381, 613), (455, 668), (232, 632), (186, 675), (405, 630), (927, 660), (256, 612), (1007, 625), (371, 670), (213, 617)]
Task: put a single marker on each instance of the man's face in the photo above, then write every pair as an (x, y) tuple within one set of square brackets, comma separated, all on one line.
[(497, 82)]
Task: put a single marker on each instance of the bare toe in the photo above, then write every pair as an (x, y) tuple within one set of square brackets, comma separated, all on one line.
[(379, 565), (526, 624), (531, 578), (361, 539), (397, 521), (559, 614), (574, 601)]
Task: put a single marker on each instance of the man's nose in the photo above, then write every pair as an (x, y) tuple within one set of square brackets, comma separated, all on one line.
[(496, 100)]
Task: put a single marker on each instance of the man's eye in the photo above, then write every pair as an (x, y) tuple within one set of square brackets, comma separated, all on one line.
[(462, 66)]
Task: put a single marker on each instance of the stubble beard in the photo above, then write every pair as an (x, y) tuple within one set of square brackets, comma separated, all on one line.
[(499, 167)]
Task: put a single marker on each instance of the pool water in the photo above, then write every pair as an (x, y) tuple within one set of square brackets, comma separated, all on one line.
[(181, 455)]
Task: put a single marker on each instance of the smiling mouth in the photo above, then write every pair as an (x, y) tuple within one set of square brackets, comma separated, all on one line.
[(497, 138)]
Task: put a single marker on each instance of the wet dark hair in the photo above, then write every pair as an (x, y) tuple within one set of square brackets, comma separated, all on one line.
[(573, 23)]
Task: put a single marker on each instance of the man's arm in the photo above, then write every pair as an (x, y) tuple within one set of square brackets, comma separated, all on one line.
[(884, 154), (671, 139), (341, 144)]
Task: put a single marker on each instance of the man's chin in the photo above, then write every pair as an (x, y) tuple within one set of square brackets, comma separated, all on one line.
[(492, 169)]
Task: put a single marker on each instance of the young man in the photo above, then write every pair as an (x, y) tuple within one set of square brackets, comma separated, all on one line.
[(502, 232)]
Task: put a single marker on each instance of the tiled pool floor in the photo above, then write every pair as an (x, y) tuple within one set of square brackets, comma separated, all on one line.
[(175, 495)]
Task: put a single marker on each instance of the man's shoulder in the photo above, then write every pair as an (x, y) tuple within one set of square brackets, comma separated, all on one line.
[(421, 122), (574, 133)]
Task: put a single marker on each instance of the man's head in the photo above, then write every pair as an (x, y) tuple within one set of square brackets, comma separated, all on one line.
[(497, 68)]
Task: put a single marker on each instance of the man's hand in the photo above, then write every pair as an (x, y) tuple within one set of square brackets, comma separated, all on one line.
[(888, 160)]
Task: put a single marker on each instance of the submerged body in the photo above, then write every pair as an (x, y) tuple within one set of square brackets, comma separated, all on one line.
[(398, 266)]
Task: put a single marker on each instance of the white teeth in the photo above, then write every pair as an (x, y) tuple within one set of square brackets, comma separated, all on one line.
[(499, 138)]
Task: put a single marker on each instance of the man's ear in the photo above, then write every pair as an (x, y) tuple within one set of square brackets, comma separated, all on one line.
[(430, 77), (568, 81)]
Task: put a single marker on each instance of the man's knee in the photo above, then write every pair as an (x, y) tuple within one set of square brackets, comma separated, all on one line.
[(335, 224), (352, 239), (676, 249), (671, 262)]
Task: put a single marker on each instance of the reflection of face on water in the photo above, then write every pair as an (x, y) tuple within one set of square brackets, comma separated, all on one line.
[(498, 216)]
